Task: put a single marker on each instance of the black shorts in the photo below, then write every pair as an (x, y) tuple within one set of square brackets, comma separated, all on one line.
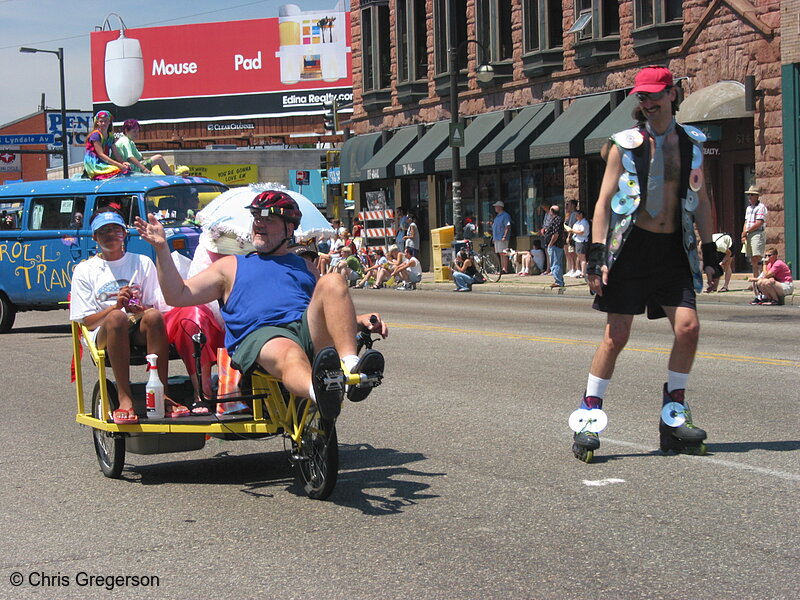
[(651, 272)]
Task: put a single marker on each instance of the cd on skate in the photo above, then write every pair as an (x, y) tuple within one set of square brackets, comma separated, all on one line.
[(673, 414), (593, 420)]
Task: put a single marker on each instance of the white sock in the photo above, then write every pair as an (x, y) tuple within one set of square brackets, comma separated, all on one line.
[(596, 386), (350, 361), (311, 393), (676, 381)]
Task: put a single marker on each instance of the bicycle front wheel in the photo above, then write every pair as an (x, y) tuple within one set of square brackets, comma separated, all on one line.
[(490, 266)]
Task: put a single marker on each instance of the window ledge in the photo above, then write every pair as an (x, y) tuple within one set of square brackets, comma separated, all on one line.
[(411, 92), (376, 100), (654, 39), (542, 62), (596, 52), (442, 83), (503, 73)]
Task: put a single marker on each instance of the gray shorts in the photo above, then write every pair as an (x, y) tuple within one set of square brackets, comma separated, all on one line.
[(754, 246), (246, 355)]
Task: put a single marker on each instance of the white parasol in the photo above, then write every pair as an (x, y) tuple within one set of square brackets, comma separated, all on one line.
[(227, 224)]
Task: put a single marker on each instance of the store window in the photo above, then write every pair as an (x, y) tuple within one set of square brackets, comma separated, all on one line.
[(596, 30), (542, 185)]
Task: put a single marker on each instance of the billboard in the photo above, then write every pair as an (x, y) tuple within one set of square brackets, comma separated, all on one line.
[(283, 66)]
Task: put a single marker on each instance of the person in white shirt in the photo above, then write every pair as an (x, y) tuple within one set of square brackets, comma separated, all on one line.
[(580, 235), (410, 272), (753, 238)]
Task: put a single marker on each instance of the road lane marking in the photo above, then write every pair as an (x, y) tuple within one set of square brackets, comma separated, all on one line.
[(602, 482), (714, 460), (758, 360)]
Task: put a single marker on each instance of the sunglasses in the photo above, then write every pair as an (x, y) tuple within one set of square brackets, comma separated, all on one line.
[(768, 255), (654, 96)]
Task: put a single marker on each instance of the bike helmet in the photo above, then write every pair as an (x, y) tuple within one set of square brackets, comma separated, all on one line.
[(273, 202)]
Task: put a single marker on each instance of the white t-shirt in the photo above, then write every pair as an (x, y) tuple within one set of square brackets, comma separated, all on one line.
[(95, 283), (580, 231), (415, 267)]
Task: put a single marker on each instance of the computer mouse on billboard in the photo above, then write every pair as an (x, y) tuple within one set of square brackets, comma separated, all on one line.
[(124, 70)]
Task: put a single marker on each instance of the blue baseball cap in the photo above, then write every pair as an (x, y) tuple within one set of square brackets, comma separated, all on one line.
[(107, 218)]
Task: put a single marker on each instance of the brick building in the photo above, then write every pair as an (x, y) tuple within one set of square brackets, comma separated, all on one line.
[(563, 69)]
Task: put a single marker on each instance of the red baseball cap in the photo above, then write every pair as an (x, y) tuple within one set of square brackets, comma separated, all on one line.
[(652, 79)]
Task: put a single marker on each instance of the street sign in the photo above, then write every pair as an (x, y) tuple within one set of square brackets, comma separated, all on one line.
[(302, 178), (457, 135), (27, 138)]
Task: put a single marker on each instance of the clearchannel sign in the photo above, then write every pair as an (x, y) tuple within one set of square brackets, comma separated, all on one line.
[(229, 69)]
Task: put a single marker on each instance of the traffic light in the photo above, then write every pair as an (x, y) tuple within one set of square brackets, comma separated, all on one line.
[(323, 166), (331, 116)]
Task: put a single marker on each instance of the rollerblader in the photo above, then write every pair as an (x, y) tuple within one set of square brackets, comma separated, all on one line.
[(643, 256)]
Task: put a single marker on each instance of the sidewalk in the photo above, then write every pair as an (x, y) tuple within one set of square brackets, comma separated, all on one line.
[(540, 285)]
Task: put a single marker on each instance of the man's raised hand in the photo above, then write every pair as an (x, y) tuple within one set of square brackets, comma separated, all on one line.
[(151, 230)]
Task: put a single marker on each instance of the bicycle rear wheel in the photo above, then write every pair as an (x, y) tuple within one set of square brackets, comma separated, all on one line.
[(490, 266)]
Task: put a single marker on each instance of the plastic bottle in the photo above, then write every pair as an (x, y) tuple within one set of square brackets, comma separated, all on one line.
[(154, 390)]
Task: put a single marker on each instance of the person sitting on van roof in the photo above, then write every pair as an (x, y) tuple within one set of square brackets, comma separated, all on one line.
[(97, 161), (126, 146)]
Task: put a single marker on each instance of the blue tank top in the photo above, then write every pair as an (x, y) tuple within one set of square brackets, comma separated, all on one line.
[(268, 290)]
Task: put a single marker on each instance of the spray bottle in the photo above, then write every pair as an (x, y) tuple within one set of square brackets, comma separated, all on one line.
[(154, 390)]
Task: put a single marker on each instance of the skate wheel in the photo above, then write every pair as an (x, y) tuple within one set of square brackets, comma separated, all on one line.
[(582, 454)]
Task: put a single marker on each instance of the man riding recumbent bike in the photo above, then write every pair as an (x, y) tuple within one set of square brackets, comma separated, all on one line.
[(301, 397)]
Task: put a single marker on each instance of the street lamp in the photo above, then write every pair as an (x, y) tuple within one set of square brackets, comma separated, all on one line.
[(484, 73), (64, 155)]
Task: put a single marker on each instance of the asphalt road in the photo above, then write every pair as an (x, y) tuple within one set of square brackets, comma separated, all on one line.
[(456, 480)]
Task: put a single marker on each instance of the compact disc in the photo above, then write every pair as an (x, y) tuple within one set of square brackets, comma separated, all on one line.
[(696, 179), (623, 224), (697, 156), (695, 133), (673, 414), (628, 139), (689, 241), (688, 222), (593, 420), (691, 201), (629, 184), (694, 259), (627, 162), (616, 241), (623, 204)]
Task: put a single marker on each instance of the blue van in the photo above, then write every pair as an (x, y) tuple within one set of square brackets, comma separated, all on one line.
[(44, 230)]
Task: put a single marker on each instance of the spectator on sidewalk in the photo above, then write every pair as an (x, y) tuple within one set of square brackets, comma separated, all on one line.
[(533, 261), (570, 218), (378, 262), (385, 272), (775, 281), (753, 236), (409, 272), (546, 219), (555, 247), (724, 244), (411, 238), (501, 233), (349, 266), (464, 272), (580, 235)]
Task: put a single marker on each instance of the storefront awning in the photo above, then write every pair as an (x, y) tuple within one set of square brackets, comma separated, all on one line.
[(381, 166), (476, 135), (419, 160), (721, 100), (354, 155), (621, 118), (564, 138), (512, 144)]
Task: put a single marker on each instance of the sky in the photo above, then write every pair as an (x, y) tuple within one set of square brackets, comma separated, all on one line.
[(53, 24)]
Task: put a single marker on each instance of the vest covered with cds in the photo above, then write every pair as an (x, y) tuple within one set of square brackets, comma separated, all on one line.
[(634, 144)]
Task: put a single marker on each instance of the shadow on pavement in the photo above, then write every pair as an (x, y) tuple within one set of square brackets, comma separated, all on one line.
[(63, 329), (365, 473), (741, 447)]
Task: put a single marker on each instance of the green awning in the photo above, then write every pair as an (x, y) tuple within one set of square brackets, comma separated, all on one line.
[(381, 166), (420, 159), (721, 100), (512, 144), (621, 118), (354, 155), (564, 138), (477, 134)]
